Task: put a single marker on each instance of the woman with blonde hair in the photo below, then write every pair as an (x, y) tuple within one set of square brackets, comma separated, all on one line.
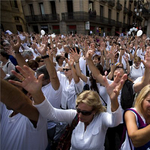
[(137, 122), (93, 122)]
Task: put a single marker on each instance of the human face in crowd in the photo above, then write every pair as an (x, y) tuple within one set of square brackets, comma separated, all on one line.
[(95, 60), (61, 59), (67, 71), (59, 46), (146, 105), (120, 71), (85, 113), (137, 64), (92, 45)]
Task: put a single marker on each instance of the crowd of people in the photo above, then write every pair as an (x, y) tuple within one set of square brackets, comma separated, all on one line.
[(54, 78)]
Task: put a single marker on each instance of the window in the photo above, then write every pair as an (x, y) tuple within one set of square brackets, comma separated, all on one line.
[(35, 28), (124, 19), (19, 28), (14, 3), (90, 5), (17, 19), (109, 13), (101, 10), (53, 7), (31, 9), (42, 8), (117, 18), (69, 6)]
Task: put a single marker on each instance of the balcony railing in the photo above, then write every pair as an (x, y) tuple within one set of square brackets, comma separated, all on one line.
[(84, 16), (139, 18), (131, 1), (103, 1), (130, 12), (111, 3), (126, 10), (145, 13), (118, 24), (119, 6), (43, 18), (124, 25)]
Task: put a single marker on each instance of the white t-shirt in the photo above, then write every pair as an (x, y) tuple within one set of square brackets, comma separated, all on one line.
[(18, 133), (8, 67), (53, 96), (69, 91), (93, 137), (135, 73), (82, 63), (126, 144)]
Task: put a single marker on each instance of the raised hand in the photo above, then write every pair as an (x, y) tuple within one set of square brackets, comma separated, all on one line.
[(89, 55), (114, 88), (17, 45), (28, 80), (42, 49), (75, 55)]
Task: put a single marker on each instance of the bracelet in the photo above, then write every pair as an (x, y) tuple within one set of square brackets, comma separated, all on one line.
[(45, 56)]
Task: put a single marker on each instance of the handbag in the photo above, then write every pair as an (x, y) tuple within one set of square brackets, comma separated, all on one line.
[(65, 139)]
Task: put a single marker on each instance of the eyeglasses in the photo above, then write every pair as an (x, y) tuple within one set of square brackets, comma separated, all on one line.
[(66, 69), (41, 60), (84, 112)]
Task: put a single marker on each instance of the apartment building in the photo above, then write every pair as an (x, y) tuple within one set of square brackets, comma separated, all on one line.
[(109, 17), (12, 17)]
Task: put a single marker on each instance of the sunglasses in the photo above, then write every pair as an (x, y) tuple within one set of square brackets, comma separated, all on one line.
[(84, 112), (65, 69)]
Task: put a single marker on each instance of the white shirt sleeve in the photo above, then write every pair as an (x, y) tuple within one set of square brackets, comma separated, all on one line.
[(54, 114)]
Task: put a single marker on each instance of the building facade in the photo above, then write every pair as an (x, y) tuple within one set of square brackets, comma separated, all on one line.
[(109, 17), (12, 17)]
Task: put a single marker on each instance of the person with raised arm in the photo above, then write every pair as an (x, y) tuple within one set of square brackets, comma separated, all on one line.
[(93, 120)]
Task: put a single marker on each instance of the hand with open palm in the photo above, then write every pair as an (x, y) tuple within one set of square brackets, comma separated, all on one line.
[(28, 81)]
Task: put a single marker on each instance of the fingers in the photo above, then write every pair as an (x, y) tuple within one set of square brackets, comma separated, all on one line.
[(17, 83), (21, 70), (19, 76), (40, 78)]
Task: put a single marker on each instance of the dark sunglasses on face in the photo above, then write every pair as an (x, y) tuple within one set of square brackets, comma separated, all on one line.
[(84, 112), (65, 69)]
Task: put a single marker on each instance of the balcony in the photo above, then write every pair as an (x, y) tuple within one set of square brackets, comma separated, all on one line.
[(84, 16), (139, 18), (130, 12), (145, 13), (118, 24), (42, 18), (119, 6), (77, 16), (111, 3), (126, 10), (131, 1), (103, 1), (124, 25)]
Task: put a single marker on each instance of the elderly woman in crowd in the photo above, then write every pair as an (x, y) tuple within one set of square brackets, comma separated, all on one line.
[(93, 120)]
